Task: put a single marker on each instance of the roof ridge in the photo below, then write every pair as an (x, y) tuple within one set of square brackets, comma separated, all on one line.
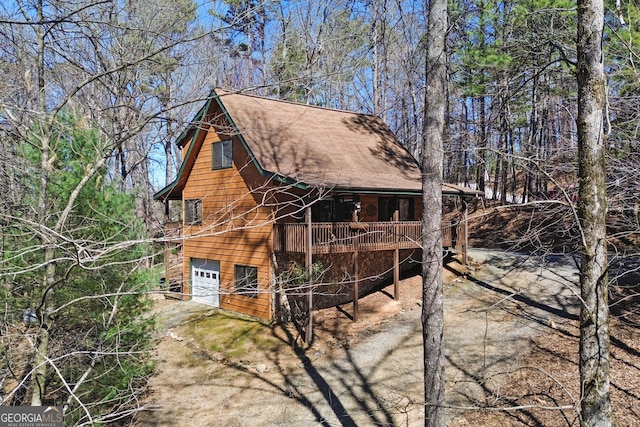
[(285, 101)]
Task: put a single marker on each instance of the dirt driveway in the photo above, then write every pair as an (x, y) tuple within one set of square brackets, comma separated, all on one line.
[(510, 343)]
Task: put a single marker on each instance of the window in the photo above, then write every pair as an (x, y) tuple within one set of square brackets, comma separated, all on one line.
[(193, 212), (405, 209), (387, 205), (321, 211), (221, 154), (344, 208), (246, 281)]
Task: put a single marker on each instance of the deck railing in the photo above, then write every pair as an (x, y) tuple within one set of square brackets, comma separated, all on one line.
[(336, 237)]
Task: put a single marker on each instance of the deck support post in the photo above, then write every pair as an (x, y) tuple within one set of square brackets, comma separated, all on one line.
[(167, 247), (167, 265), (356, 273), (356, 285), (466, 234), (396, 258), (309, 266)]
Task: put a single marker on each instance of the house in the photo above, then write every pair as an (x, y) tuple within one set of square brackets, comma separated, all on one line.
[(271, 190)]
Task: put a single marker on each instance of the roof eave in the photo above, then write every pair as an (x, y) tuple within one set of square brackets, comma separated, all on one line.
[(385, 191), (406, 191), (167, 193)]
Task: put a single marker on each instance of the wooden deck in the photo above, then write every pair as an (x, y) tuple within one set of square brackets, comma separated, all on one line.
[(340, 237)]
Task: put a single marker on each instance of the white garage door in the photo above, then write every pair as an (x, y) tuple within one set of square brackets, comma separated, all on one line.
[(205, 285)]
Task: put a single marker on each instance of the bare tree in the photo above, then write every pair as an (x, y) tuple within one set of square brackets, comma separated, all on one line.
[(432, 157), (592, 211)]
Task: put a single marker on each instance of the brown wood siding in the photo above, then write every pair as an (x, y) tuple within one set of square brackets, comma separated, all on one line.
[(369, 208), (235, 230), (291, 206)]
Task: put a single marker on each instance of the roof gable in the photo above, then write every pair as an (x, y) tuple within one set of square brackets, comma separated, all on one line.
[(194, 136)]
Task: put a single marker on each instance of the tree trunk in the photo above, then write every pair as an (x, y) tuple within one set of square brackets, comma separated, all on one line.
[(592, 210), (432, 157), (482, 146), (38, 376)]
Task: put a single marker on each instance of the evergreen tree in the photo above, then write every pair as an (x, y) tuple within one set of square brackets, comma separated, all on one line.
[(90, 310)]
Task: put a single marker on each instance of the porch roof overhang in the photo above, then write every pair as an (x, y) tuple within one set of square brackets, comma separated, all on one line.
[(174, 191), (459, 190), (447, 190)]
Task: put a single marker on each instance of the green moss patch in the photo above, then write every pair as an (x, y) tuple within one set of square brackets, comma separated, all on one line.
[(231, 336)]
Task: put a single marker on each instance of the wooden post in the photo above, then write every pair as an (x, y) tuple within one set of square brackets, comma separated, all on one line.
[(356, 273), (356, 285), (167, 247), (466, 234), (309, 265), (396, 258), (167, 262)]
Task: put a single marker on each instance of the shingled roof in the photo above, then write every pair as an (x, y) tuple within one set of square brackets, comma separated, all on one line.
[(314, 146), (320, 146)]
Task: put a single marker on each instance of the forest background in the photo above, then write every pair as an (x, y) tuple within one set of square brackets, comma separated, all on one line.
[(94, 93)]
